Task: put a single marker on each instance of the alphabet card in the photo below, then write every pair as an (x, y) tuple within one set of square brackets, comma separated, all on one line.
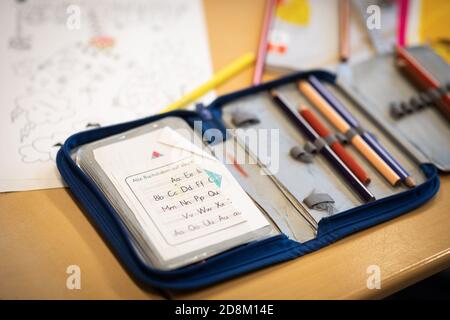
[(187, 203)]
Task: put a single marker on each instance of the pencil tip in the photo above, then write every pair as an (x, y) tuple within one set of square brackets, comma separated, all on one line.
[(409, 182), (273, 92), (367, 181)]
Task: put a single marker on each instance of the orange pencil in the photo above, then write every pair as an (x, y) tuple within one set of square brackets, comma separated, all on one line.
[(344, 30), (422, 78), (356, 140), (335, 145)]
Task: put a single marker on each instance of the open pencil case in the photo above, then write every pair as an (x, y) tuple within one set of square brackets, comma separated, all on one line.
[(367, 95)]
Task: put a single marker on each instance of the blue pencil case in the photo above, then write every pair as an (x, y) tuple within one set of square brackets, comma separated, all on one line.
[(361, 96)]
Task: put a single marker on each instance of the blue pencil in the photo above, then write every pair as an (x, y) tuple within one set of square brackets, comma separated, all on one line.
[(326, 151), (368, 137)]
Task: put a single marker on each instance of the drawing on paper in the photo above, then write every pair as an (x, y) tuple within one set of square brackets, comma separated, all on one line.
[(59, 81)]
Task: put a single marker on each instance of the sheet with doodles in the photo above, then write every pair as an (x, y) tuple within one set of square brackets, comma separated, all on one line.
[(187, 204), (74, 65)]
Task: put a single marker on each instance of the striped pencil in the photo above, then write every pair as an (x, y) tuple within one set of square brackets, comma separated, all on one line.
[(356, 140), (373, 143), (335, 145), (326, 151)]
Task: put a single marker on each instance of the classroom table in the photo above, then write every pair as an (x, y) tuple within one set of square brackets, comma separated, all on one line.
[(43, 232)]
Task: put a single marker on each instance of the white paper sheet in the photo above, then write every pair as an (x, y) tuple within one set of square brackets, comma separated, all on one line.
[(313, 42), (127, 59), (184, 199)]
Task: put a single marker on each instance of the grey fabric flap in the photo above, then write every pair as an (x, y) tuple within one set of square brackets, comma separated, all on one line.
[(315, 199), (423, 133)]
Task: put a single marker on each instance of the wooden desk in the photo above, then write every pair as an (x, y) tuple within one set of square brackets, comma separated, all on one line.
[(43, 232)]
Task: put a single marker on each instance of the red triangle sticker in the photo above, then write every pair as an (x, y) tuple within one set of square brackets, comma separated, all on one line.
[(156, 154)]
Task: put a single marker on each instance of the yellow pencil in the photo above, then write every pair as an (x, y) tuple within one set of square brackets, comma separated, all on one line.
[(220, 77)]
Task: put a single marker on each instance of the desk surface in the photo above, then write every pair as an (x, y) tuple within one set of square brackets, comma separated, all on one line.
[(43, 232)]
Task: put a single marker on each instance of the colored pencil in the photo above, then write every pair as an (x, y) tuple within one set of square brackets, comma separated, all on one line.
[(263, 41), (344, 30), (326, 151), (356, 140), (368, 138), (220, 77), (422, 78), (336, 146), (402, 20)]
